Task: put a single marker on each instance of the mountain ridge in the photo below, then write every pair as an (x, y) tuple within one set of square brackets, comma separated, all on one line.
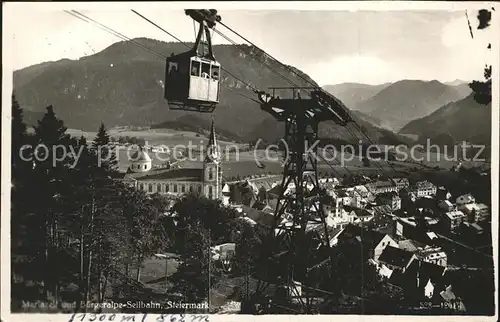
[(463, 120), (406, 100), (123, 85), (353, 93)]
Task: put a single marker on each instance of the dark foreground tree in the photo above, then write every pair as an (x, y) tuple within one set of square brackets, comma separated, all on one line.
[(106, 155), (482, 88), (202, 224), (195, 274), (20, 152)]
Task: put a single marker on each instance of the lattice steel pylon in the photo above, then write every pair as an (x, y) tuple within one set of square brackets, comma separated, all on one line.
[(292, 249)]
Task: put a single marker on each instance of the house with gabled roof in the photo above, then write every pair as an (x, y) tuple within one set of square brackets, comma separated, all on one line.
[(373, 243), (381, 186), (434, 255), (362, 215), (427, 277), (410, 245), (390, 199), (261, 218), (420, 281), (425, 188), (453, 219), (396, 259)]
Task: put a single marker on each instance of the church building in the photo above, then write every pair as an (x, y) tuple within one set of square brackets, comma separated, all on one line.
[(205, 181)]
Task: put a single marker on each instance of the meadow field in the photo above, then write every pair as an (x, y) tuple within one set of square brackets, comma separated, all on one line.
[(238, 160)]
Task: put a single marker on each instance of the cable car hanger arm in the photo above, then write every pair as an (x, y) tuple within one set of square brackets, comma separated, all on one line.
[(209, 16)]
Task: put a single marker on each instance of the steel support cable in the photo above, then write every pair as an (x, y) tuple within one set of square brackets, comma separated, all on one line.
[(294, 84), (255, 58), (160, 55), (225, 37), (303, 78), (108, 30), (391, 178), (270, 56), (285, 78), (101, 26), (345, 168), (87, 19), (290, 81), (371, 142), (297, 74), (180, 41), (247, 84)]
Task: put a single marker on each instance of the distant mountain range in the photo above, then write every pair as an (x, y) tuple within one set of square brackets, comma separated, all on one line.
[(123, 85), (354, 93), (456, 82), (392, 105), (464, 120)]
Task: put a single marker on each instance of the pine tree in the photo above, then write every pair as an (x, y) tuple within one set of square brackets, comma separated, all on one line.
[(50, 129), (24, 237), (20, 138), (95, 202), (52, 157), (143, 219), (196, 274), (50, 181), (19, 133), (106, 156)]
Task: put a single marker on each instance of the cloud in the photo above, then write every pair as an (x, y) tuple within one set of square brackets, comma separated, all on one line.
[(358, 68)]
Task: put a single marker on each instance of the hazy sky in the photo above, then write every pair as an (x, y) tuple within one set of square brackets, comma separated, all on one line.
[(331, 46)]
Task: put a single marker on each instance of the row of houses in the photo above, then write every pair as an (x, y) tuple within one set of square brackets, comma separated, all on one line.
[(408, 255), (417, 268)]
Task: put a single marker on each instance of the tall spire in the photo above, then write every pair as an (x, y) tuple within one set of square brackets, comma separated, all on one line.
[(212, 141), (212, 148)]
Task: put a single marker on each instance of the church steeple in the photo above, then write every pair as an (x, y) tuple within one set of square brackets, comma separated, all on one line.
[(213, 154), (211, 140), (212, 177)]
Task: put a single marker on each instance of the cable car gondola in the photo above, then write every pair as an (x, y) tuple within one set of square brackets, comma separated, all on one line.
[(192, 78)]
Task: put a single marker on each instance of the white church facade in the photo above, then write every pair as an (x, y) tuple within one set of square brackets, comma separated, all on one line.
[(205, 181)]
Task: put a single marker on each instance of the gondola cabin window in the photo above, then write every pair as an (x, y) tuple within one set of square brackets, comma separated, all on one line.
[(204, 80), (205, 70), (195, 68), (173, 68), (215, 72)]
